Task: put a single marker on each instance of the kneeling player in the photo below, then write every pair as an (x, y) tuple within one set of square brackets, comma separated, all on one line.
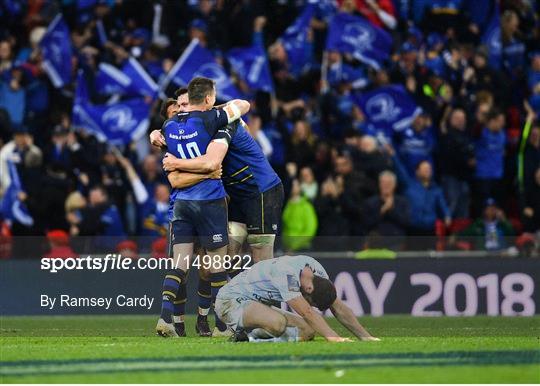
[(246, 303)]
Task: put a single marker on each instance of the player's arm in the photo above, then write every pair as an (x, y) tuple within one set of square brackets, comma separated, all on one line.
[(207, 163), (347, 318), (211, 160), (235, 109), (316, 321), (180, 180)]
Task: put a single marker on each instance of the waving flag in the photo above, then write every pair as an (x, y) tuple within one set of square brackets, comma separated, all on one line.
[(295, 40), (118, 123), (132, 80), (110, 80), (13, 208), (56, 48), (389, 109), (198, 61), (141, 82), (491, 38), (355, 35), (251, 64)]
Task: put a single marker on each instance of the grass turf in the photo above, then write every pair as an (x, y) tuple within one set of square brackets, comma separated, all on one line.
[(124, 349)]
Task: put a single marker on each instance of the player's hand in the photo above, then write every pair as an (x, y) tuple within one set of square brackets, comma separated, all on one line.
[(169, 162), (338, 339), (370, 339), (216, 174), (157, 139)]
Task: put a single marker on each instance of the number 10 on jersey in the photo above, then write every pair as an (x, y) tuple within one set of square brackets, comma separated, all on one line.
[(192, 150)]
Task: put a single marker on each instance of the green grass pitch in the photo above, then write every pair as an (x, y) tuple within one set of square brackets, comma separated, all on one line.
[(87, 349)]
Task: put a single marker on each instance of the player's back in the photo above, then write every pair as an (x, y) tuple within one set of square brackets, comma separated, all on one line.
[(187, 136), (265, 281), (246, 171)]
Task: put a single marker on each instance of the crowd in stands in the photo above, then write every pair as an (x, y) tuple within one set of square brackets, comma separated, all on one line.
[(467, 164)]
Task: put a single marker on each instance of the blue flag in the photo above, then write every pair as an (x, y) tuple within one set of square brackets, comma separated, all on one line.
[(198, 61), (132, 80), (491, 38), (141, 82), (388, 109), (110, 80), (355, 35), (57, 51), (251, 64), (118, 123), (295, 41), (13, 208)]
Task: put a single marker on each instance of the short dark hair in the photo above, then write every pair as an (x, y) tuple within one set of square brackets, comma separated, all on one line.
[(199, 88), (180, 91), (494, 113), (324, 293), (165, 107)]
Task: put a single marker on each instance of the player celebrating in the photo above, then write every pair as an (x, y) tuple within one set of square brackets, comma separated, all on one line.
[(246, 303), (200, 209), (169, 108), (255, 189)]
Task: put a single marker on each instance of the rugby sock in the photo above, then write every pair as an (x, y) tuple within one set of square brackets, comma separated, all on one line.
[(174, 279), (218, 280), (260, 333), (205, 296), (180, 307)]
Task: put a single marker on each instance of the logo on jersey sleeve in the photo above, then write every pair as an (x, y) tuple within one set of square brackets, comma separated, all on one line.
[(293, 284)]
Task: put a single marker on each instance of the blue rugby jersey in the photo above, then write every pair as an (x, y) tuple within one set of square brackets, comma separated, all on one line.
[(187, 136), (246, 171)]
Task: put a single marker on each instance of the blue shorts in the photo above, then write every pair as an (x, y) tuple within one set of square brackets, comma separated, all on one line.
[(205, 219)]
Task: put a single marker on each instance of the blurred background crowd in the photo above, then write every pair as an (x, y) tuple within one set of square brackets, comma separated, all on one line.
[(465, 164)]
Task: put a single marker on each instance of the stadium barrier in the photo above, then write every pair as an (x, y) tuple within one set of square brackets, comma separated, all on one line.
[(417, 286)]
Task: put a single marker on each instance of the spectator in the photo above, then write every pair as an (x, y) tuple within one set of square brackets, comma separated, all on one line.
[(100, 217), (128, 249), (21, 151), (426, 199), (299, 221), (333, 229), (308, 184), (416, 143), (490, 150), (59, 245), (156, 213), (531, 211), (387, 214), (490, 232), (456, 160), (302, 147), (356, 188)]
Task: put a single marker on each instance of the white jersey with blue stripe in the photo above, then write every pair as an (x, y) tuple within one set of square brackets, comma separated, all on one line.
[(272, 281)]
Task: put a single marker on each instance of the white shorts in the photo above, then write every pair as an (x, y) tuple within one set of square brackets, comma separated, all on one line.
[(231, 311)]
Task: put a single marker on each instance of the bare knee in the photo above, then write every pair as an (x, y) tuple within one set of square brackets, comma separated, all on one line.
[(277, 325)]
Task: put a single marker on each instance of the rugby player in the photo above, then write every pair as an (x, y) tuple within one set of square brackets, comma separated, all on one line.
[(255, 189), (169, 108), (249, 303), (199, 210)]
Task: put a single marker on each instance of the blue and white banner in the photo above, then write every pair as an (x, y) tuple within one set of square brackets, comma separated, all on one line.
[(491, 38), (132, 80), (56, 48), (13, 209), (295, 40), (389, 108), (141, 82), (251, 64), (198, 61), (118, 123), (355, 35), (110, 80)]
